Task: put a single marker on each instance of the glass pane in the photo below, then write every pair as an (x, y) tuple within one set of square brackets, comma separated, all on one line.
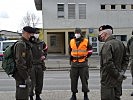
[(6, 44), (94, 44), (94, 39), (60, 13), (131, 6), (71, 11), (123, 6), (82, 11), (53, 41), (94, 49), (112, 6), (102, 6)]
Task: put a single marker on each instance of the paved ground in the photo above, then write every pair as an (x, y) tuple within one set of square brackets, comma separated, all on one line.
[(60, 63), (64, 95)]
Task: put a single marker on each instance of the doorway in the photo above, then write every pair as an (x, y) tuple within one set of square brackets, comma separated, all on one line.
[(56, 42)]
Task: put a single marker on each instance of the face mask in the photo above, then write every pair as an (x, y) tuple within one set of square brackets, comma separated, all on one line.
[(77, 36), (32, 39), (99, 38), (36, 36)]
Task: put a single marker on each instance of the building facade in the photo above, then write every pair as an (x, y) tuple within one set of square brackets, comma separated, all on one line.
[(61, 17), (9, 35)]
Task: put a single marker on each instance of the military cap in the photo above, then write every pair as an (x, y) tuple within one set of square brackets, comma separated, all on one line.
[(29, 29), (105, 27)]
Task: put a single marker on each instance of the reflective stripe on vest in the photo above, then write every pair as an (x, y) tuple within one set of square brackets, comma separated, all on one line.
[(80, 51)]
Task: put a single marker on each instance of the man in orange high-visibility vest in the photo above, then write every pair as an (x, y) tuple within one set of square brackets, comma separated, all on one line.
[(80, 49)]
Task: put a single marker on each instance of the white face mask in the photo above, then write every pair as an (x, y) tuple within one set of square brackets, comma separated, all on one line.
[(36, 36), (77, 35)]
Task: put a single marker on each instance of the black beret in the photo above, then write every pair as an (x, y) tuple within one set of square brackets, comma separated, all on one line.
[(29, 29), (105, 27), (78, 30)]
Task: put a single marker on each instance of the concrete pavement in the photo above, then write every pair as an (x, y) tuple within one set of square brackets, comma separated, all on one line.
[(64, 95), (55, 62), (61, 62)]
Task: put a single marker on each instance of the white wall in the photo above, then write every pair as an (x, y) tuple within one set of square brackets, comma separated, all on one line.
[(95, 16)]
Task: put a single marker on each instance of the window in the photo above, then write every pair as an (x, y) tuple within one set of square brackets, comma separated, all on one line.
[(60, 8), (7, 44), (53, 41), (132, 6), (102, 6), (112, 6), (71, 11), (94, 39), (94, 49), (91, 30), (121, 37), (123, 6), (82, 11)]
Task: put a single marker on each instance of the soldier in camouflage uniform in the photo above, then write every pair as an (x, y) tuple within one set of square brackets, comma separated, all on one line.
[(39, 51), (23, 58), (113, 62), (130, 52)]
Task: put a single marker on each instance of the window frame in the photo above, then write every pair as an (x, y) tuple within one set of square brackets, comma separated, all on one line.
[(113, 6), (82, 15), (123, 5), (59, 12), (69, 13), (53, 41), (131, 6), (103, 8)]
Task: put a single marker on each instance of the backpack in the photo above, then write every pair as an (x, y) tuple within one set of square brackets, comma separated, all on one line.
[(8, 62)]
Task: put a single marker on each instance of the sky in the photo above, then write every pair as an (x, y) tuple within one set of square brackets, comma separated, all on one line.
[(13, 11)]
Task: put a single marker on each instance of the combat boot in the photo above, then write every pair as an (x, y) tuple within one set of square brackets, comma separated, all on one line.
[(132, 94), (86, 96), (31, 98), (38, 97), (73, 97)]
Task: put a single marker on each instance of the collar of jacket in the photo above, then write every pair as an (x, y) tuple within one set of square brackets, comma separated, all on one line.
[(79, 39), (110, 38)]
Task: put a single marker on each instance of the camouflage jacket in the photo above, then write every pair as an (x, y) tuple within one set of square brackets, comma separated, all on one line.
[(113, 60), (23, 58)]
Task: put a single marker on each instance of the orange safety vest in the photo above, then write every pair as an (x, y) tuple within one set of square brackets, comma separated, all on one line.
[(79, 52)]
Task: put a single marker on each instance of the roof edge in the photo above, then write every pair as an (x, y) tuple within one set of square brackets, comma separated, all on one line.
[(38, 4)]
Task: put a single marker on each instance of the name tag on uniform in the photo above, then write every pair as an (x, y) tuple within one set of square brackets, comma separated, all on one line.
[(22, 86)]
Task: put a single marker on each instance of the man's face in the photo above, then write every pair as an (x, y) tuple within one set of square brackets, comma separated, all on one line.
[(29, 35), (77, 35), (102, 36)]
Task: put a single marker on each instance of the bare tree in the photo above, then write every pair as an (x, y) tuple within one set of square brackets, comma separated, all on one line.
[(30, 20)]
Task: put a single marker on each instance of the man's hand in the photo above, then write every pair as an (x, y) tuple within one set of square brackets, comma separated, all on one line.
[(43, 58), (122, 76)]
